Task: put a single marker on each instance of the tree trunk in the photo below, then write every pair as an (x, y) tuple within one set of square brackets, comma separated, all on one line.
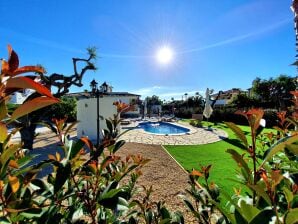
[(27, 136)]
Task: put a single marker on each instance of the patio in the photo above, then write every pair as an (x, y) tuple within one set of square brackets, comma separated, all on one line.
[(197, 136)]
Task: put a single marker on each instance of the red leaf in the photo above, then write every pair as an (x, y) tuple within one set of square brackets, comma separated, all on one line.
[(196, 173), (13, 59), (27, 83), (4, 67), (14, 183), (87, 142), (33, 105), (25, 69)]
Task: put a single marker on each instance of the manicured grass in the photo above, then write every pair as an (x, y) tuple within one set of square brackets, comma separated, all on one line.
[(223, 166)]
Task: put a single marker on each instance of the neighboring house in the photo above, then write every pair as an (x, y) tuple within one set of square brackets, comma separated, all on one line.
[(20, 97), (227, 97), (87, 111)]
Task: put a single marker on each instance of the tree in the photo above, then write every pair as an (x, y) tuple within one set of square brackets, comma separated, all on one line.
[(154, 100), (62, 83), (66, 108), (244, 101), (185, 94), (274, 93)]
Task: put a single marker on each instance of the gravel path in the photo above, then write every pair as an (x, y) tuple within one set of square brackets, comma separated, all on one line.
[(166, 177)]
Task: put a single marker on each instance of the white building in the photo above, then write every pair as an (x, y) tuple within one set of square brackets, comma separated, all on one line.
[(87, 111), (21, 96)]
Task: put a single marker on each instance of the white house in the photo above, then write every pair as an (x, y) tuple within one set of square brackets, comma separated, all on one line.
[(87, 111), (21, 96)]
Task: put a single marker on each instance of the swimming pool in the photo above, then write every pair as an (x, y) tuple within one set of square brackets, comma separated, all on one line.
[(163, 128)]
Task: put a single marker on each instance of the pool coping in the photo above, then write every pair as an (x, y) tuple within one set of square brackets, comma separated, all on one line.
[(191, 130), (198, 136)]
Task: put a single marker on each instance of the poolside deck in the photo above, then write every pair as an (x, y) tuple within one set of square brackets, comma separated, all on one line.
[(197, 136)]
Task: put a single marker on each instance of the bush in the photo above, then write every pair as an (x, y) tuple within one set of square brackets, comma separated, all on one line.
[(196, 123), (66, 108)]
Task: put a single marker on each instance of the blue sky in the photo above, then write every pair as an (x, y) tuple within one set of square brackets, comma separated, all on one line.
[(219, 44)]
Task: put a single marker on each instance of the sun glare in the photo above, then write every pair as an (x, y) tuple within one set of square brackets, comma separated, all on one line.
[(164, 55)]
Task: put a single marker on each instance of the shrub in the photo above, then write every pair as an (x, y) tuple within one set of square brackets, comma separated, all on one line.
[(67, 107), (268, 173), (196, 123)]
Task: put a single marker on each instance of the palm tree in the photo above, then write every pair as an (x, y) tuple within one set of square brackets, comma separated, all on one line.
[(185, 94), (197, 94)]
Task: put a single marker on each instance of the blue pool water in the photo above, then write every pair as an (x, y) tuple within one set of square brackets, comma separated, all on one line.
[(163, 128)]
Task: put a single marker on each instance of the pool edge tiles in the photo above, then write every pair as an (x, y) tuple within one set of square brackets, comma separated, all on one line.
[(186, 130)]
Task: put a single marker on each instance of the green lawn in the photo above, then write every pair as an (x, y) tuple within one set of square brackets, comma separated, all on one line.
[(223, 166)]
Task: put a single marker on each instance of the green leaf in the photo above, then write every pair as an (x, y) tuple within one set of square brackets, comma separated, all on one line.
[(291, 216), (238, 132), (8, 153), (77, 215), (278, 146), (112, 186), (33, 213), (122, 204), (40, 184), (226, 214), (26, 159), (240, 218), (109, 125), (190, 207), (264, 216), (75, 149), (165, 214), (109, 194), (260, 192), (4, 220), (293, 148), (288, 194), (165, 221), (294, 203), (63, 173), (118, 145), (3, 132), (240, 161), (248, 211)]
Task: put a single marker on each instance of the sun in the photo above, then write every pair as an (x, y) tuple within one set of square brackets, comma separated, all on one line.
[(164, 55)]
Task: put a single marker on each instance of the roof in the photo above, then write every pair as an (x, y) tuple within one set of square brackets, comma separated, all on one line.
[(81, 95)]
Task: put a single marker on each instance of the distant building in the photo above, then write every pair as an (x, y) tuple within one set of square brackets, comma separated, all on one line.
[(20, 96), (226, 97)]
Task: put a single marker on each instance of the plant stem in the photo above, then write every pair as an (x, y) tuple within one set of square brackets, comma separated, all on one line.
[(253, 136)]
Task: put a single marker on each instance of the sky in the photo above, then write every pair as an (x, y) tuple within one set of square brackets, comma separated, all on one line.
[(216, 44)]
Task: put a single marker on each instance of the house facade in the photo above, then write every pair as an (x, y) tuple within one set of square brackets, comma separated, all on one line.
[(87, 110)]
